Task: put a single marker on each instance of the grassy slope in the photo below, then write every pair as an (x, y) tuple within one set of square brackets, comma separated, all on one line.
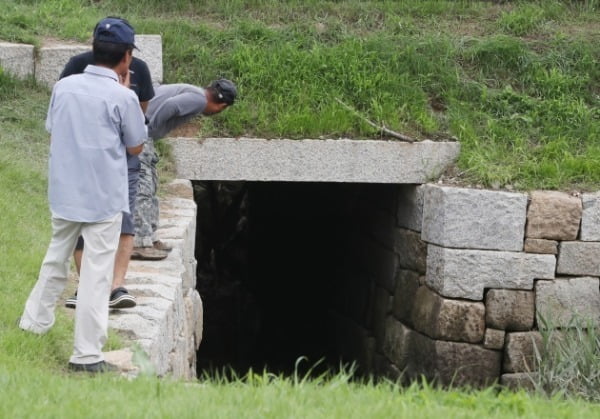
[(31, 367), (518, 84)]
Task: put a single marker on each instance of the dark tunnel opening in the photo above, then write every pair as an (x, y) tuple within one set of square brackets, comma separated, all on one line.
[(273, 258)]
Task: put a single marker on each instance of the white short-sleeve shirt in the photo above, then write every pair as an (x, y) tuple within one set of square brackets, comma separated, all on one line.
[(91, 119)]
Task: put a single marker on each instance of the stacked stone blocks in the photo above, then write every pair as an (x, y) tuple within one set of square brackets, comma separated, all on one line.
[(476, 273)]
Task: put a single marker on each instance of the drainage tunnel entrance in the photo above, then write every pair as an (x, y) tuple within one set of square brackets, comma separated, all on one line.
[(290, 269)]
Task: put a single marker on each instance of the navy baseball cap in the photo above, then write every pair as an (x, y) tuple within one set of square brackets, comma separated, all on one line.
[(115, 30), (226, 90)]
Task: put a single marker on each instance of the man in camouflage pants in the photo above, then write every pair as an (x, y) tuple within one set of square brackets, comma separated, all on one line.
[(172, 106), (146, 245)]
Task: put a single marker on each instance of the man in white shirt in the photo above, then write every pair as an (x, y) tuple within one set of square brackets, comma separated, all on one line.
[(92, 119)]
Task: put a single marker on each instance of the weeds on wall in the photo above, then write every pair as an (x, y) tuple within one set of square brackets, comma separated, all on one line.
[(569, 360)]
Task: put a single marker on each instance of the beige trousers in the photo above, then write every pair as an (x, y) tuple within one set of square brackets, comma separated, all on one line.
[(91, 315)]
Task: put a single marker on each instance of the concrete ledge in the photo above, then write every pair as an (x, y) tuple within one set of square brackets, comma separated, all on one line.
[(20, 60), (150, 50), (17, 59), (167, 322), (52, 60), (344, 160)]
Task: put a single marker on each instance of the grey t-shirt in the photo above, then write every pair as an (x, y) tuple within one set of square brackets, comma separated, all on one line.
[(172, 106)]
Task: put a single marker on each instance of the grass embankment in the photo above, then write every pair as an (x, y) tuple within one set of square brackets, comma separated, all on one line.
[(518, 85)]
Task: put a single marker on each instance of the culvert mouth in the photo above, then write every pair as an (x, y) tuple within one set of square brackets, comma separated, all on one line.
[(281, 274)]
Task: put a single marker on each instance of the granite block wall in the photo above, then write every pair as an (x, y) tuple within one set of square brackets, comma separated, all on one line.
[(451, 283)]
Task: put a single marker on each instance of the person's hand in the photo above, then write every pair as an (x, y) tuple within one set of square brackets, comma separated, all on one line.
[(125, 79)]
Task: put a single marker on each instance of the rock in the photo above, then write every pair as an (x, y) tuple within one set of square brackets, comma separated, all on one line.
[(461, 273), (493, 339), (590, 219), (396, 342), (560, 301), (150, 50), (519, 380), (181, 188), (410, 207), (384, 368), (474, 219), (519, 351), (381, 308), (52, 59), (379, 262), (509, 309), (194, 316), (411, 250), (452, 363), (407, 283), (17, 59), (445, 319), (543, 246), (579, 258), (123, 359), (553, 215)]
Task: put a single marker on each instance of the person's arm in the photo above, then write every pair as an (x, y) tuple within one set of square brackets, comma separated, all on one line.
[(133, 127)]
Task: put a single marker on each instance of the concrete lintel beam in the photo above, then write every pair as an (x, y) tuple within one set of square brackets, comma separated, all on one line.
[(343, 160)]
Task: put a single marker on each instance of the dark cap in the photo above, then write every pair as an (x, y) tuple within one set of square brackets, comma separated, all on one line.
[(115, 30), (225, 89)]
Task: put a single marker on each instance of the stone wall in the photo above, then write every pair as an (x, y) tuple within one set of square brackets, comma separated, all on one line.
[(451, 283), (167, 322), (46, 64)]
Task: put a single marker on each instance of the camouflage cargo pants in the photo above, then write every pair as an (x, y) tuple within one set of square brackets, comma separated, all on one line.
[(146, 203)]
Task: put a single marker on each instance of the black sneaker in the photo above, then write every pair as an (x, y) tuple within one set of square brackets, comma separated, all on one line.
[(71, 302), (120, 298), (95, 368)]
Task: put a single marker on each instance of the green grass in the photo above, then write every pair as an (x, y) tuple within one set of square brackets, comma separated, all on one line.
[(517, 83), (29, 393), (569, 360)]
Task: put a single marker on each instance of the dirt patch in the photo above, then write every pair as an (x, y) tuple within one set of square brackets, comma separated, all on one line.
[(189, 129)]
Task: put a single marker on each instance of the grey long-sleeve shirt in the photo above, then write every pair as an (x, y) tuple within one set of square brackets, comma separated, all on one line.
[(172, 106)]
